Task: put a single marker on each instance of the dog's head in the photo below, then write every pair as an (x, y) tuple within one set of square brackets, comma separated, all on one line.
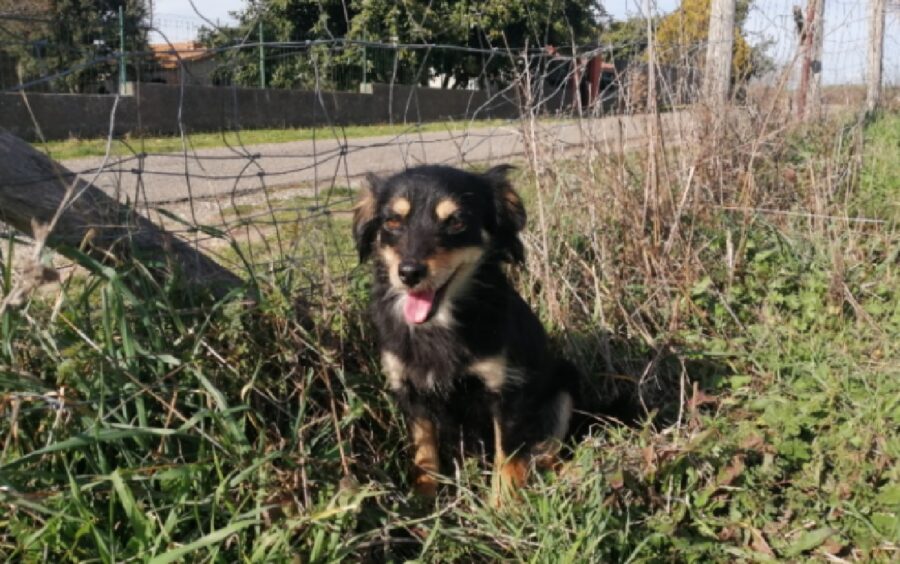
[(430, 226)]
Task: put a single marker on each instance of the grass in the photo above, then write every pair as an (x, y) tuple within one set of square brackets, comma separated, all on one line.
[(880, 182), (142, 422), (128, 145)]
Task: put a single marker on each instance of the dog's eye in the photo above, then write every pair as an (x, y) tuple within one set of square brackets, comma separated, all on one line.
[(455, 225), (393, 223)]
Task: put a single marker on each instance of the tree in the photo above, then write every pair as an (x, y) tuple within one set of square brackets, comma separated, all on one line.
[(23, 31), (513, 24), (283, 21), (73, 33), (497, 23), (682, 35), (625, 40)]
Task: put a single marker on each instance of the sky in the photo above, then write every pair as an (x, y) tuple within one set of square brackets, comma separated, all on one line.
[(846, 29)]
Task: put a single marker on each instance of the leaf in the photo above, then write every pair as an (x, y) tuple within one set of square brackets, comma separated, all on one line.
[(737, 382), (889, 495), (83, 440), (808, 541), (887, 524), (794, 449), (139, 522), (166, 359), (212, 538)]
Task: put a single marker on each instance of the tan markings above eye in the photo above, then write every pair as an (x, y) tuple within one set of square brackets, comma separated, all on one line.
[(400, 206), (446, 208)]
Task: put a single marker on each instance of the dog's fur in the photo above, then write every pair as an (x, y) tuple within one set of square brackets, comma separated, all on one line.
[(476, 371)]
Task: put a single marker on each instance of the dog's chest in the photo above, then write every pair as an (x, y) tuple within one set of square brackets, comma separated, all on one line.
[(438, 362)]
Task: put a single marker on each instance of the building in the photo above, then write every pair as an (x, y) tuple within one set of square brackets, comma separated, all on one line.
[(187, 60)]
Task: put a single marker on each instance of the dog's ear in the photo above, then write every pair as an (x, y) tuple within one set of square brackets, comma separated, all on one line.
[(365, 215), (510, 213)]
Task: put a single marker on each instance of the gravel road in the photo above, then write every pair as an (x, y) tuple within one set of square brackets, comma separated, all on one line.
[(221, 172)]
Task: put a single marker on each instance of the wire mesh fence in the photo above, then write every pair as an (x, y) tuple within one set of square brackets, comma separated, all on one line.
[(279, 200), (334, 83), (476, 98), (658, 221)]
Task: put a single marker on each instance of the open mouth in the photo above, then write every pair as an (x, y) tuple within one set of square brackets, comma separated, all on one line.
[(420, 305)]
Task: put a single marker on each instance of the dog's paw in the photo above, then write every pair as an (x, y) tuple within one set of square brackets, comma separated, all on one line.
[(425, 485), (508, 479), (514, 472)]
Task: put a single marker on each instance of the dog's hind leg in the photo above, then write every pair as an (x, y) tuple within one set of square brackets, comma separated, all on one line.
[(425, 455)]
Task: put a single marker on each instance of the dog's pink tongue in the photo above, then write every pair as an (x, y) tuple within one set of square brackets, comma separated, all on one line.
[(418, 305)]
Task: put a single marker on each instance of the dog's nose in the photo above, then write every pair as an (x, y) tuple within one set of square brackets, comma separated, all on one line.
[(411, 272)]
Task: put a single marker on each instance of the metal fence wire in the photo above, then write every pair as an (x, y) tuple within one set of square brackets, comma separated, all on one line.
[(433, 103)]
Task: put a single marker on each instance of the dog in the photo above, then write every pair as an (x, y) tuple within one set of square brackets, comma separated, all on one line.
[(464, 355)]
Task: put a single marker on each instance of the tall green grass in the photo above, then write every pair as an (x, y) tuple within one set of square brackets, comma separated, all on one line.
[(143, 422)]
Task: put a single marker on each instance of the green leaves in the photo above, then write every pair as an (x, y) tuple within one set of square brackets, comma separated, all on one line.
[(808, 541)]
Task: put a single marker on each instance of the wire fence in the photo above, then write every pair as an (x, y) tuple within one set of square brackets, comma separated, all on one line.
[(246, 189), (272, 203)]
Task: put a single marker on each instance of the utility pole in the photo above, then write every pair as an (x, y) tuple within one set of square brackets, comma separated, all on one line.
[(122, 77), (262, 57), (876, 53), (717, 79)]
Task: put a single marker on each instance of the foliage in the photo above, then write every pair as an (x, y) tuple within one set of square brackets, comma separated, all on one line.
[(81, 35), (23, 32), (682, 35), (495, 23), (626, 39), (880, 180)]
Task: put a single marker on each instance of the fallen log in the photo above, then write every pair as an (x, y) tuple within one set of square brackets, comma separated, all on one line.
[(32, 189)]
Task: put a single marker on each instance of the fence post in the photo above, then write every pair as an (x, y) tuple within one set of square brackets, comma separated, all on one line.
[(651, 59), (122, 78), (808, 32), (364, 65), (717, 79), (815, 86), (262, 57), (876, 50)]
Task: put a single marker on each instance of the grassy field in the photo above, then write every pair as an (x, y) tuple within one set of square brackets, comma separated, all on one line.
[(77, 148), (736, 308)]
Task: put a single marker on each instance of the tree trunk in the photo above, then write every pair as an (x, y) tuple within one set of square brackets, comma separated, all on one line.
[(32, 188)]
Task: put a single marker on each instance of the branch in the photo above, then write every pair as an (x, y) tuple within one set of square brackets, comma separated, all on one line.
[(33, 188)]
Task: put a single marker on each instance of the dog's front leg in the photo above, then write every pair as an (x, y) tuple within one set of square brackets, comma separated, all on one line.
[(510, 470), (424, 435)]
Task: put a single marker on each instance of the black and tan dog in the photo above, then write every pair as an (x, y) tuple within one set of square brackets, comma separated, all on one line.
[(463, 353)]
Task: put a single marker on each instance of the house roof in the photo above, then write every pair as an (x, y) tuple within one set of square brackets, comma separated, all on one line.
[(167, 55)]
